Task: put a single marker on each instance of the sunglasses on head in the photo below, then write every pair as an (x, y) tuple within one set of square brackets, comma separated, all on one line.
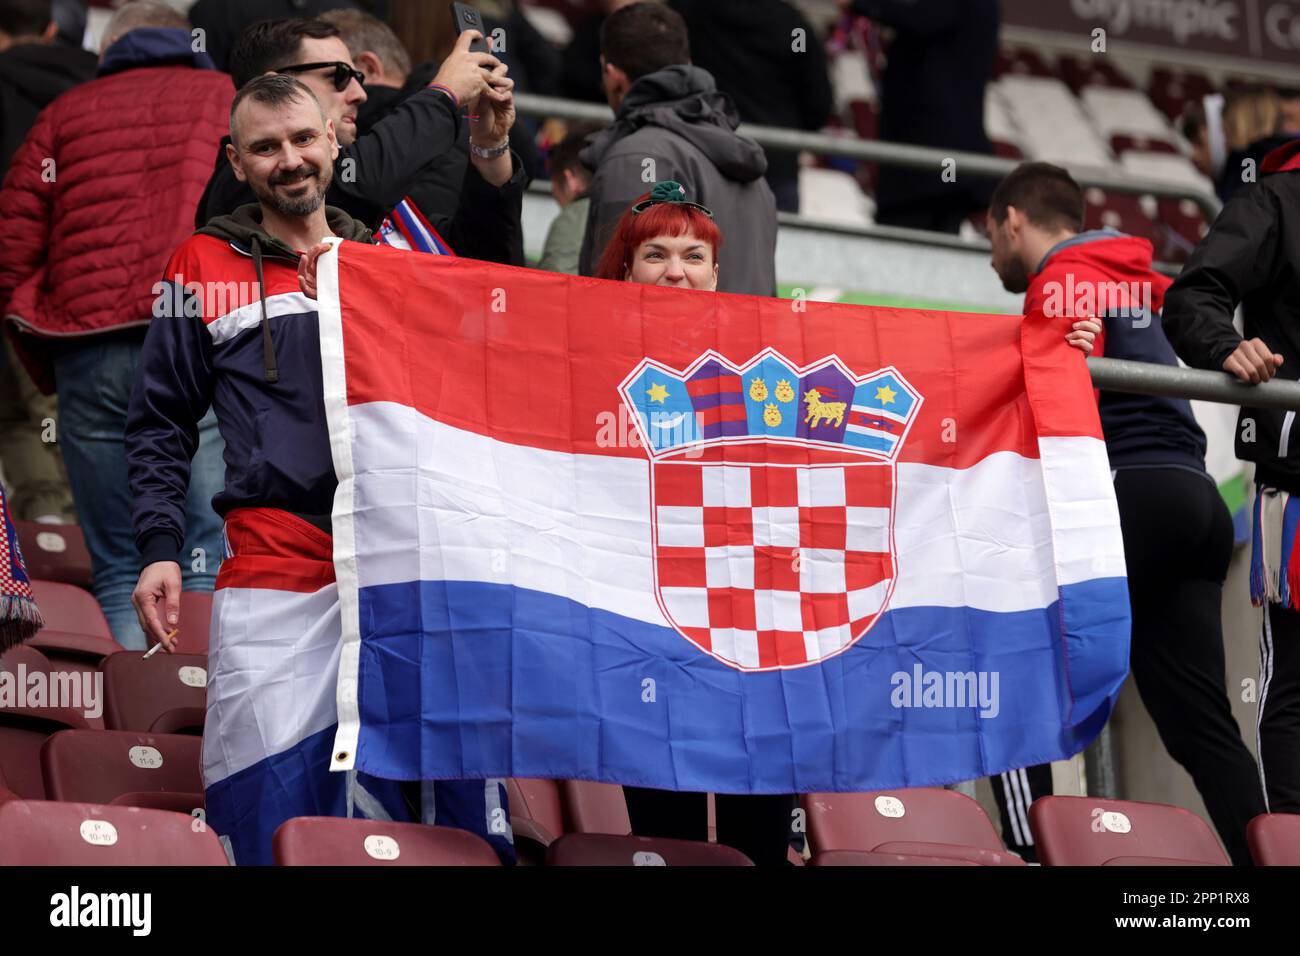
[(343, 74)]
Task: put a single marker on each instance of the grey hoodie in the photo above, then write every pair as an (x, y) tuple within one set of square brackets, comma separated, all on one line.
[(675, 124)]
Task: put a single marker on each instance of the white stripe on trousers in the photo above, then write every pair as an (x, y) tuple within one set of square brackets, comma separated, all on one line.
[(1265, 676)]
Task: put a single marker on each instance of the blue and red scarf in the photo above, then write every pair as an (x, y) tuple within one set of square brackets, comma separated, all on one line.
[(19, 616)]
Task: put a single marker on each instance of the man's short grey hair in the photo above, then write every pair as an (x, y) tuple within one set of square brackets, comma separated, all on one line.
[(141, 13), (363, 32), (273, 89)]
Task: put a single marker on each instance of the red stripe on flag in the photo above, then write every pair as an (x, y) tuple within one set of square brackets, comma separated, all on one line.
[(722, 413), (719, 385)]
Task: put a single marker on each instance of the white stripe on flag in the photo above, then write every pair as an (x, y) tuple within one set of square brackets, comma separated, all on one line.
[(578, 526)]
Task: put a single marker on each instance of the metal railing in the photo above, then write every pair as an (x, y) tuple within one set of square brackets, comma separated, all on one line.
[(1141, 378), (890, 154)]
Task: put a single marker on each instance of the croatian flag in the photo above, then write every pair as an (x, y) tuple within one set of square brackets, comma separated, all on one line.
[(605, 531)]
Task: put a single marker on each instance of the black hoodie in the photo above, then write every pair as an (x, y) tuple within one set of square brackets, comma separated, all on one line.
[(31, 76)]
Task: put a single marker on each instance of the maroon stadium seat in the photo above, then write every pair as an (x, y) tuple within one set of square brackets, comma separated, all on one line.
[(76, 635), (1122, 143), (139, 690), (1079, 72), (185, 803), (536, 812), (922, 822), (863, 858), (95, 766), (180, 720), (55, 552), (1171, 90), (604, 849), (1274, 839), (594, 807), (195, 625), (1090, 831), (5, 792), (1120, 211), (40, 833), (335, 841), (23, 730)]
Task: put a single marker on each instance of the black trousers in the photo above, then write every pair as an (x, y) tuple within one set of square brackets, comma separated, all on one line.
[(757, 826), (1177, 545), (1279, 709)]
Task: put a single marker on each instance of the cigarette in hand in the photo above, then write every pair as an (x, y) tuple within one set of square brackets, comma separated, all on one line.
[(154, 650)]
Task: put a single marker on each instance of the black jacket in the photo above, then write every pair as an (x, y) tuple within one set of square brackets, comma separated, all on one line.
[(415, 147), (1250, 257), (677, 117), (31, 76), (933, 94), (748, 47)]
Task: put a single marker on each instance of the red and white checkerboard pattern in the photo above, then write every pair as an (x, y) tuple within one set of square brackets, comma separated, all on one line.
[(767, 566)]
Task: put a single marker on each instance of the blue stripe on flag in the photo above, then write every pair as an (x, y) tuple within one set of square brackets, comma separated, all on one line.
[(568, 673)]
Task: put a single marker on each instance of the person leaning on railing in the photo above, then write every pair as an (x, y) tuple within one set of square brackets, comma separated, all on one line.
[(1250, 258)]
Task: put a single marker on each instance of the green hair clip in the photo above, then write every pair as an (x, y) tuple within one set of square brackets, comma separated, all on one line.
[(668, 191)]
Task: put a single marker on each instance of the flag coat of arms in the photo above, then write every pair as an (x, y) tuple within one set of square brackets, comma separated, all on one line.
[(699, 541)]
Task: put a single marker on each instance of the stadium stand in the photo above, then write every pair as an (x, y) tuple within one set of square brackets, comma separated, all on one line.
[(887, 828), (1090, 831), (42, 833), (1275, 839), (536, 811), (330, 841)]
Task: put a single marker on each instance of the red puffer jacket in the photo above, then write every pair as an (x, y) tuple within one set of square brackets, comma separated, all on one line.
[(103, 190)]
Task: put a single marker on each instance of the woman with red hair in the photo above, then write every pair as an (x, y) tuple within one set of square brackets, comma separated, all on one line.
[(663, 239)]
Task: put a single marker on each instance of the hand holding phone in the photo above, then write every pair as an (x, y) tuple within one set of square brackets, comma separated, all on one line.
[(467, 18)]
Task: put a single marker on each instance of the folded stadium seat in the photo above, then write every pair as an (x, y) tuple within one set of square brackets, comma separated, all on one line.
[(1051, 122), (1274, 839), (594, 807), (76, 635), (40, 833), (55, 552), (925, 822), (95, 766), (139, 690), (1091, 831), (1127, 115), (603, 849), (1171, 90), (336, 841), (1173, 168), (196, 622), (536, 811), (23, 728), (1093, 70), (833, 196)]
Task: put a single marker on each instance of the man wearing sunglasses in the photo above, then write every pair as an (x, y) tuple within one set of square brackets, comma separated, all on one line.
[(376, 170)]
